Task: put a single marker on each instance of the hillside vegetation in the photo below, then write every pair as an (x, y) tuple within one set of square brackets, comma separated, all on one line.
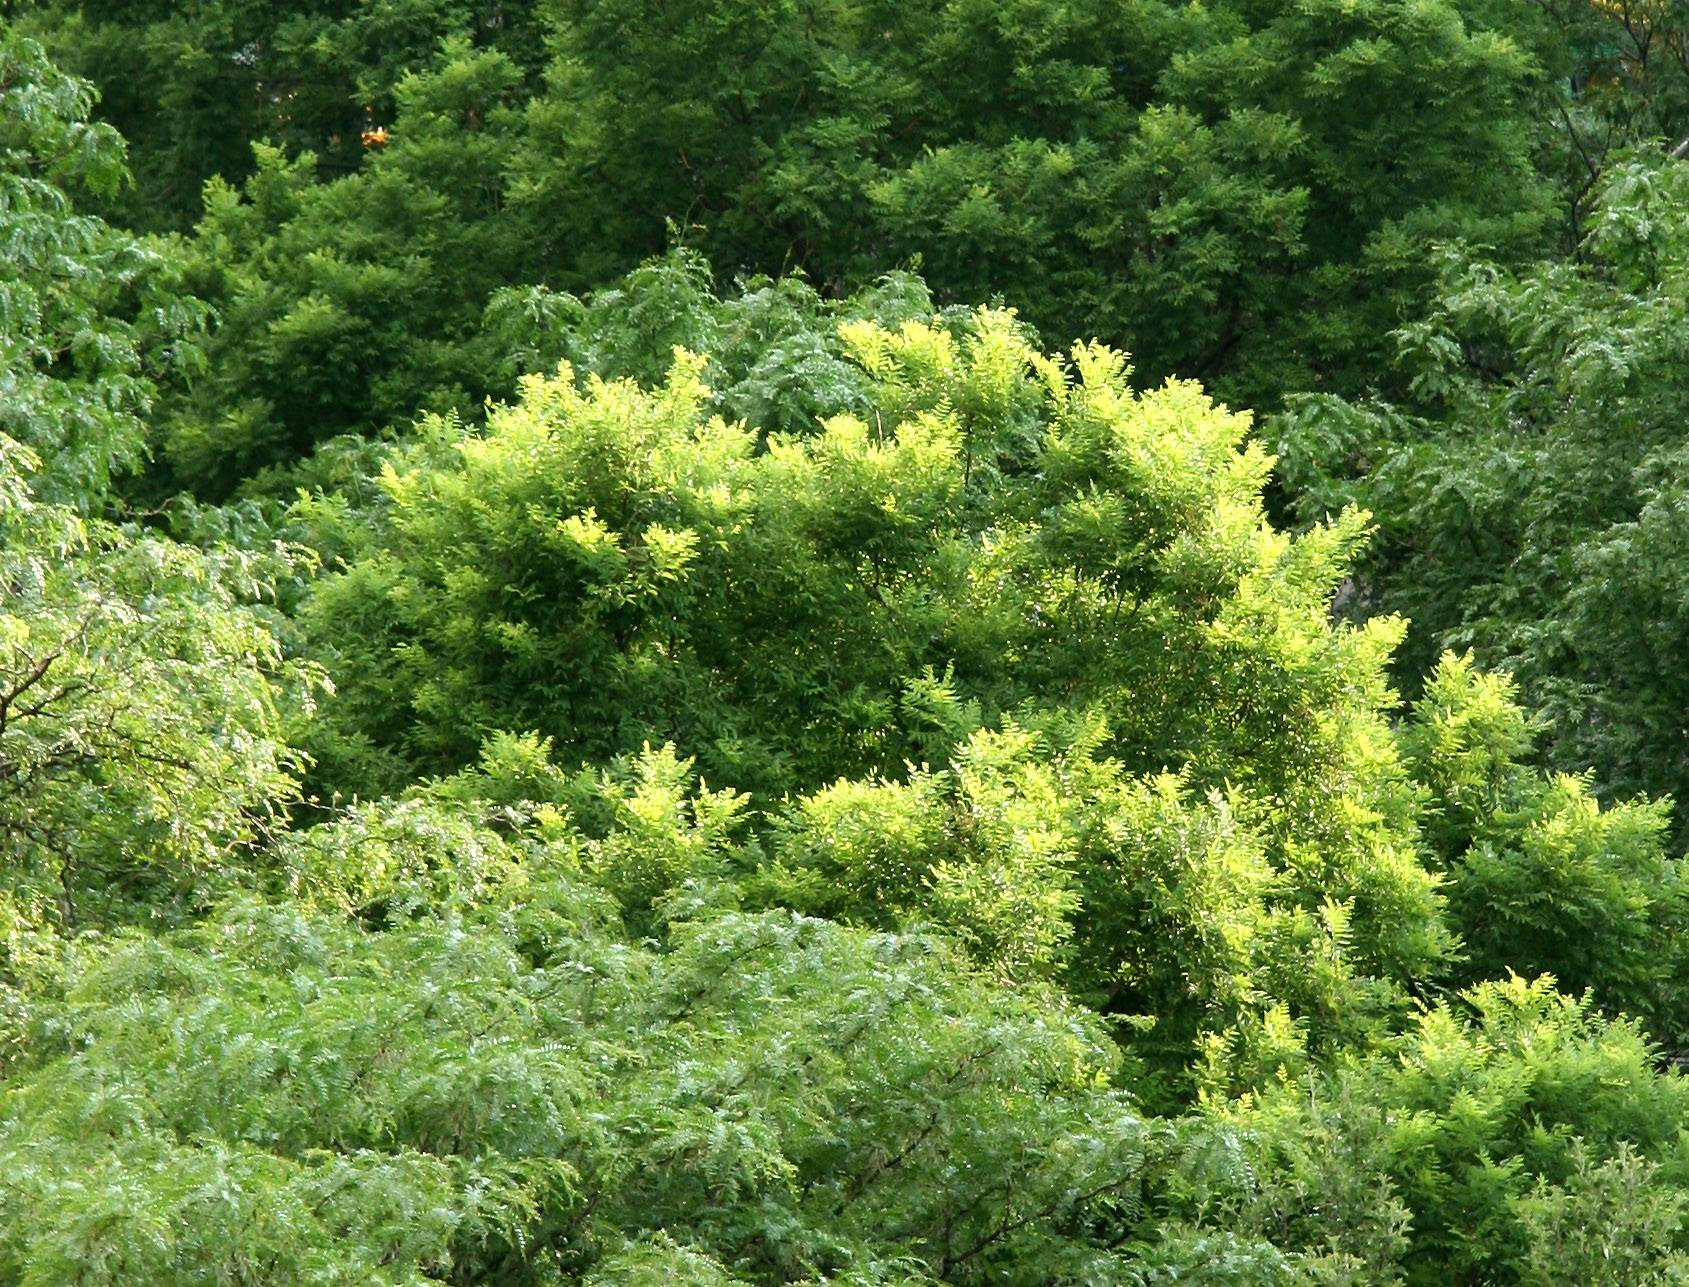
[(844, 643)]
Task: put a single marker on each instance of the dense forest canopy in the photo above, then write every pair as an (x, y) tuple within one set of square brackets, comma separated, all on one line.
[(844, 642)]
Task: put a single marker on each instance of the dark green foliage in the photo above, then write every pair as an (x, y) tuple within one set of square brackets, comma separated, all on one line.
[(1231, 195), (1614, 76), (1530, 497), (368, 318), (351, 305), (1190, 184), (86, 312), (192, 87), (819, 786)]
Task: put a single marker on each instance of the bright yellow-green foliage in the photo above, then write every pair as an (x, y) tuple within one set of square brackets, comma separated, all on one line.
[(833, 789), (610, 565), (1011, 570), (141, 699)]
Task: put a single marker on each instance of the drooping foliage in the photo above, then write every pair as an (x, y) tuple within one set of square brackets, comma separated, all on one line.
[(512, 1091), (446, 1062), (141, 698), (141, 690)]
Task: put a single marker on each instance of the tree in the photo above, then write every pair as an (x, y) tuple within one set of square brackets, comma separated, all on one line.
[(141, 696), (1528, 493), (818, 785), (1225, 196), (511, 1089), (89, 315), (141, 686), (1541, 878), (349, 306), (1190, 186), (1504, 1114), (192, 88), (1004, 573)]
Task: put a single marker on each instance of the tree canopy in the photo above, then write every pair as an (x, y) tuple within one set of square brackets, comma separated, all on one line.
[(648, 646)]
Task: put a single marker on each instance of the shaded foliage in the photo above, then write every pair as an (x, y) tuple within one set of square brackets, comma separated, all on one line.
[(1529, 496), (819, 785)]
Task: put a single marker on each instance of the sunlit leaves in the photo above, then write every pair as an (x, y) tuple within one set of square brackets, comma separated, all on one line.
[(88, 314)]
